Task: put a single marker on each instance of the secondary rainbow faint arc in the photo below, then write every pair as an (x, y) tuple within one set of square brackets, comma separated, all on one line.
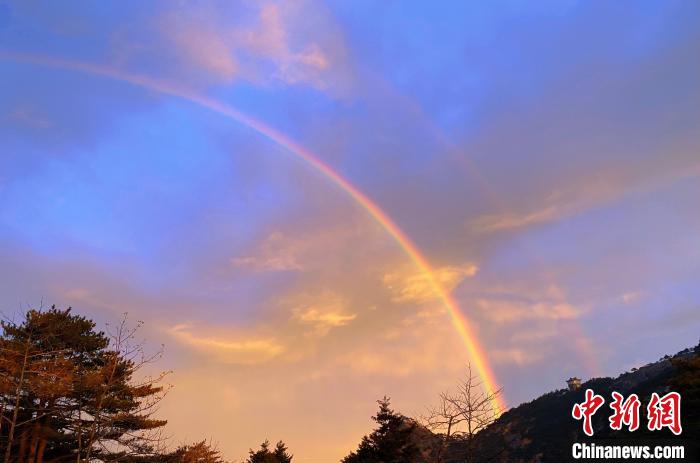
[(459, 321)]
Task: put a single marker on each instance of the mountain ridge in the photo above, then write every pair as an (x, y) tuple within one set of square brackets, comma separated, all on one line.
[(543, 429)]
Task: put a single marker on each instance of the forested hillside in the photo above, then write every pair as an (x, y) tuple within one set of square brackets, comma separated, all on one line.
[(543, 430)]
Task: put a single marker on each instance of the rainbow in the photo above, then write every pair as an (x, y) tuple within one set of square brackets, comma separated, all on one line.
[(459, 321)]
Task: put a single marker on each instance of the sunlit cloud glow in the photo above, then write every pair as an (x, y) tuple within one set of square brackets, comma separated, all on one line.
[(241, 351), (416, 287)]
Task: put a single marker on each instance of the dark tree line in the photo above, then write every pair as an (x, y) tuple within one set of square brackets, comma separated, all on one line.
[(459, 416), (280, 454)]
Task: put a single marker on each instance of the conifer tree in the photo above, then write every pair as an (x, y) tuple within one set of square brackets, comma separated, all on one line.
[(200, 452), (70, 393), (282, 454), (390, 442), (264, 455)]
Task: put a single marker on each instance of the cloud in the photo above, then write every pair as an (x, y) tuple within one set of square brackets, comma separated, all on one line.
[(418, 288), (498, 222), (323, 318), (269, 40), (302, 250), (276, 253), (579, 196), (532, 335), (265, 43), (503, 311), (30, 117), (85, 296), (323, 312), (553, 206), (406, 350), (244, 350), (514, 356), (202, 46), (631, 297)]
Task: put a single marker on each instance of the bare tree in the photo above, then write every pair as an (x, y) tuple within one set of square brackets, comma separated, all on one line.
[(462, 412), (444, 418), (125, 360)]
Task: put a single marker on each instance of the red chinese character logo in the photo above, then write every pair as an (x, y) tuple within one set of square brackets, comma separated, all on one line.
[(665, 412), (625, 412), (586, 410)]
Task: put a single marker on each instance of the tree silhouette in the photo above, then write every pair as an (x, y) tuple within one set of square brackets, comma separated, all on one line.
[(200, 452), (264, 455), (390, 442)]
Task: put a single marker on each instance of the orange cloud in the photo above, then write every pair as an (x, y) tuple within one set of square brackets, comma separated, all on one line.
[(323, 318), (298, 252), (416, 287), (407, 352), (245, 351), (323, 312)]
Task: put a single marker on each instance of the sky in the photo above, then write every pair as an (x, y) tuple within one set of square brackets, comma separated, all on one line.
[(543, 158)]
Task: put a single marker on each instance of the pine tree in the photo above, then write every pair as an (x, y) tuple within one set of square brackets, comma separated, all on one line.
[(282, 454), (390, 442), (265, 455), (69, 392), (200, 452)]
